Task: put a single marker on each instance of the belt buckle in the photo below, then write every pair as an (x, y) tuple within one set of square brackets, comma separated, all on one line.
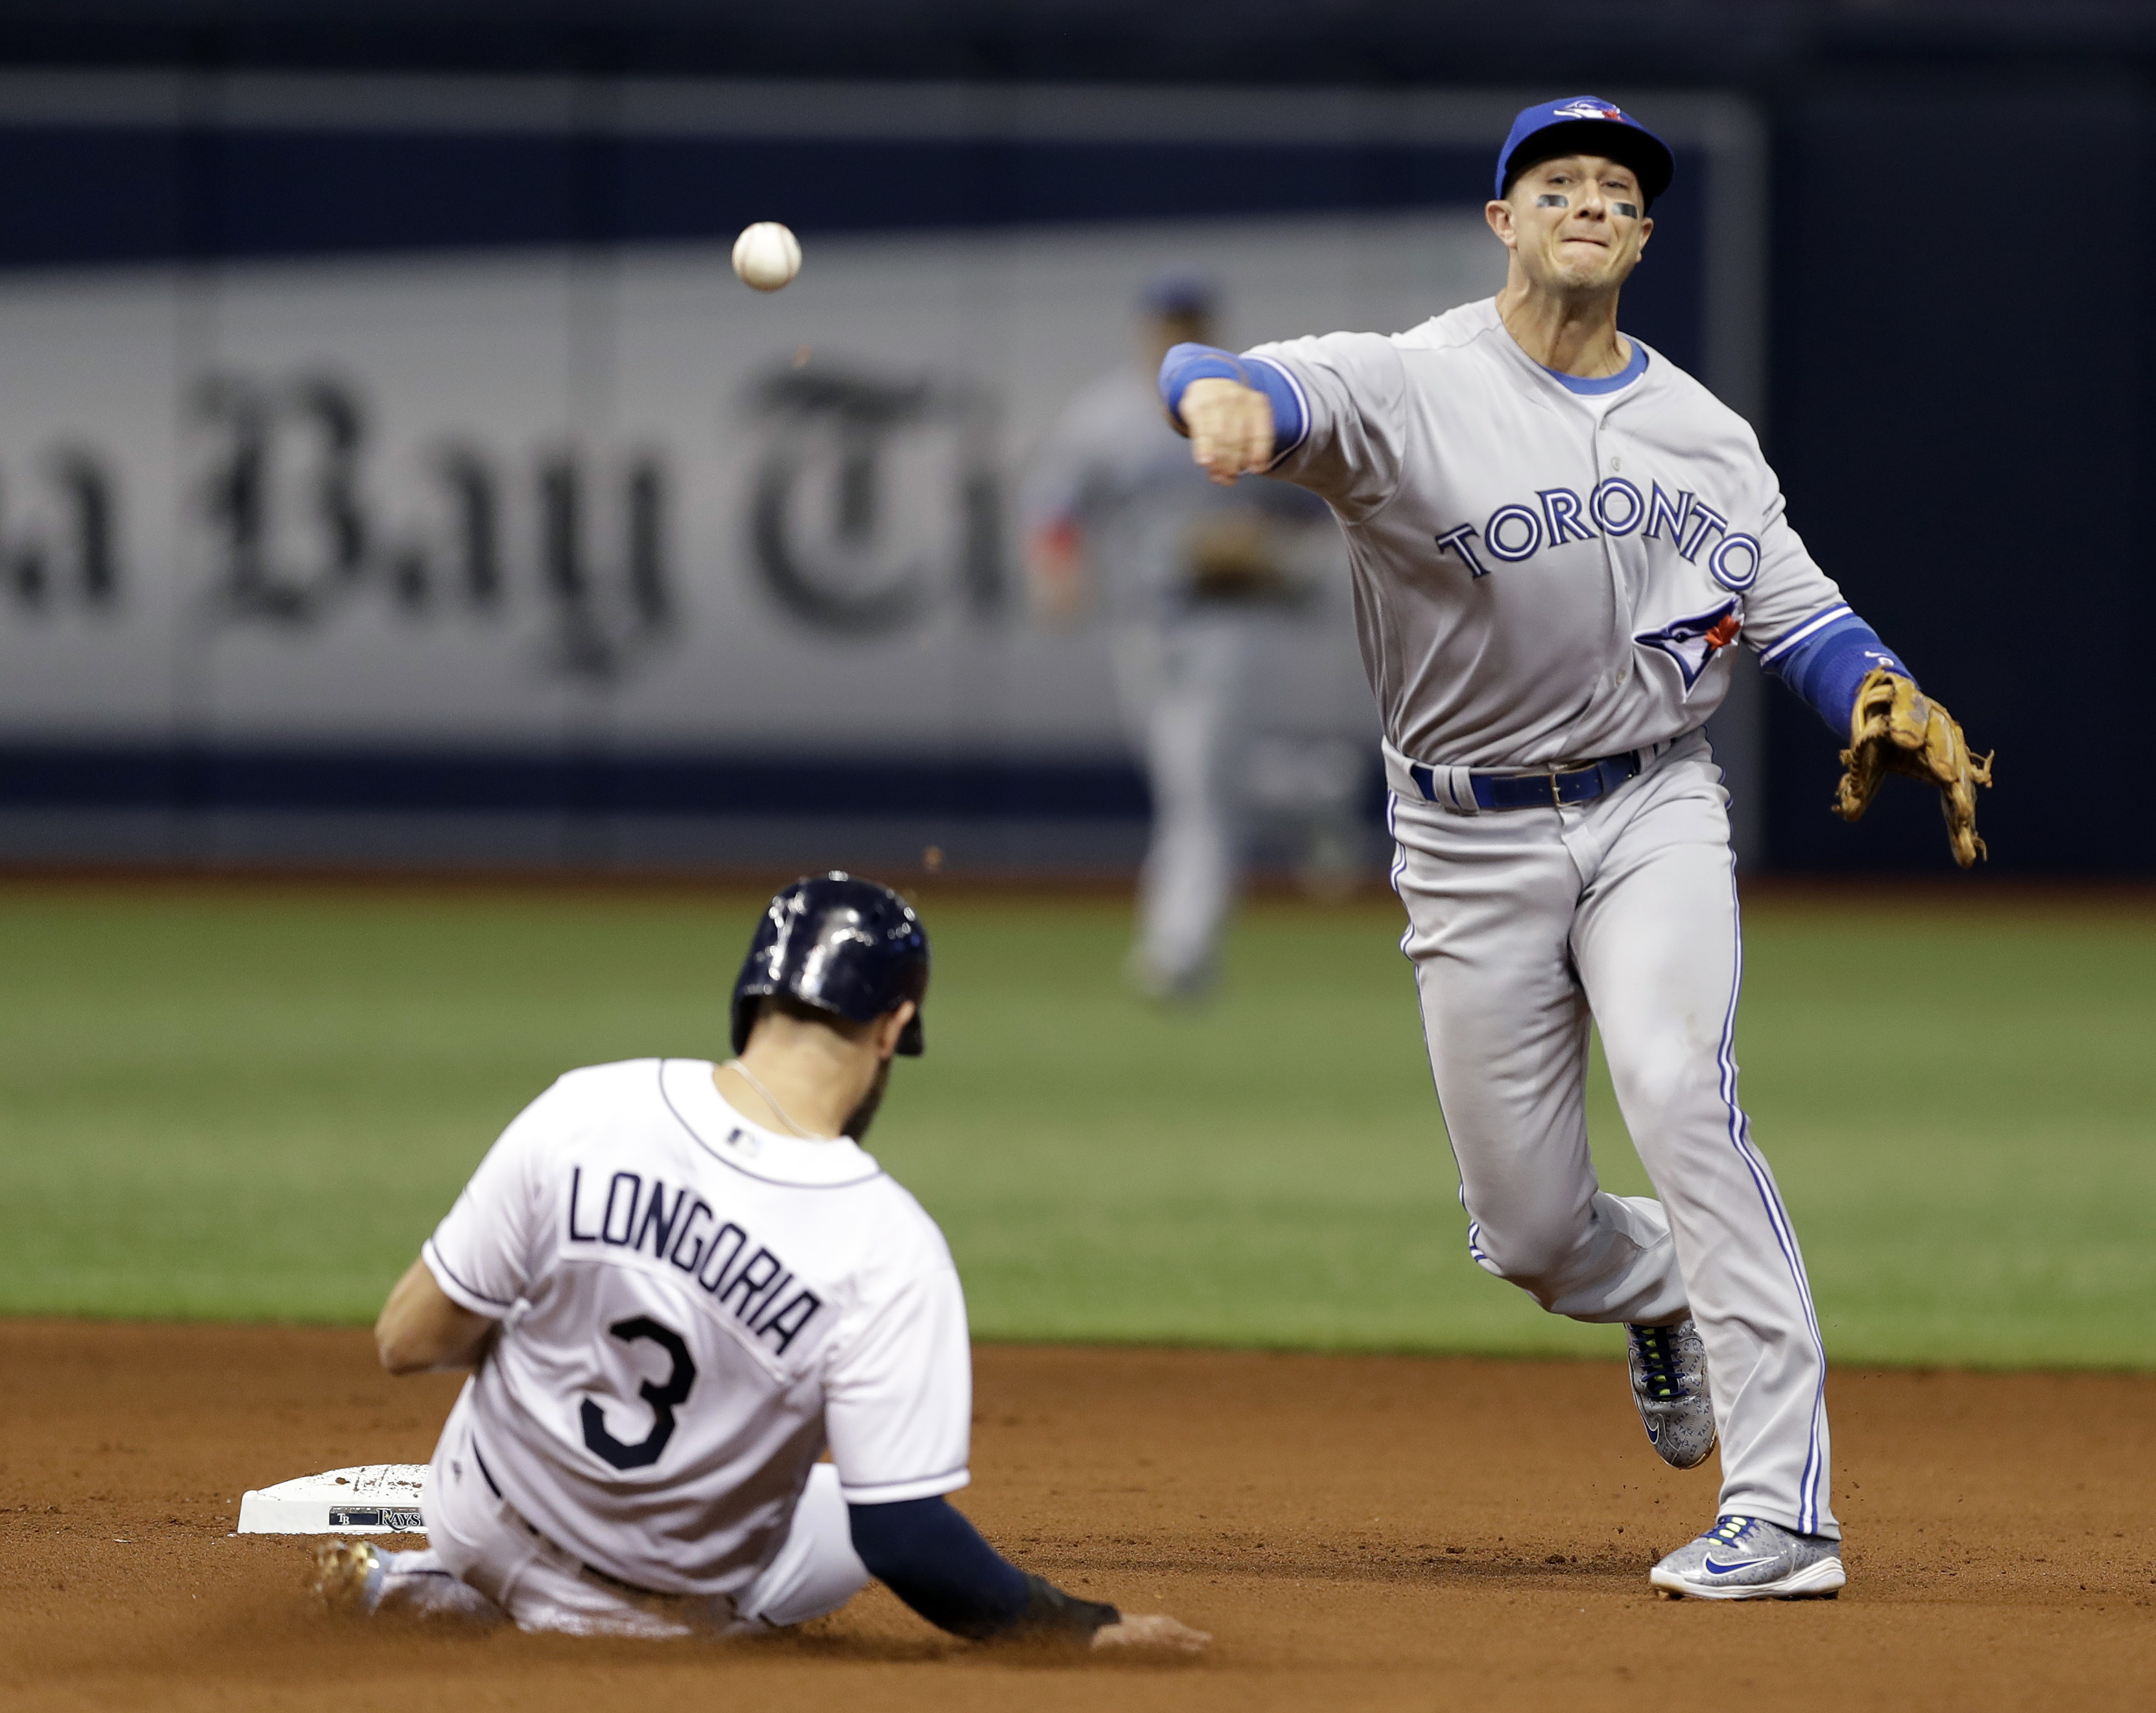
[(1557, 797)]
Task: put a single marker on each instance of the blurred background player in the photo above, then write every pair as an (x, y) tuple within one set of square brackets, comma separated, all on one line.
[(1197, 581), (680, 1283)]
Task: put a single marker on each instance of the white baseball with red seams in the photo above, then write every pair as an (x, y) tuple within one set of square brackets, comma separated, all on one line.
[(1551, 571), (766, 255)]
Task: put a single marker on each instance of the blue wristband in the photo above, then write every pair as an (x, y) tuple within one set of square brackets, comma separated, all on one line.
[(1828, 659), (1186, 364)]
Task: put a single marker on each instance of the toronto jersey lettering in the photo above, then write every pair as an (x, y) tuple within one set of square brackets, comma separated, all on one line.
[(692, 1309), (1614, 507), (1635, 534)]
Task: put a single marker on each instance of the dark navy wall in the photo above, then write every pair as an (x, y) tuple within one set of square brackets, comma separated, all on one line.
[(1960, 397), (319, 777), (1640, 45)]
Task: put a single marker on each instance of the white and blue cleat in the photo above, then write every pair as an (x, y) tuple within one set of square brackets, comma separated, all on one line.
[(1669, 1384), (1748, 1558)]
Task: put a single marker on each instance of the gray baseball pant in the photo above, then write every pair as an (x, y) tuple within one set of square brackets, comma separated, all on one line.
[(1182, 686), (1523, 925)]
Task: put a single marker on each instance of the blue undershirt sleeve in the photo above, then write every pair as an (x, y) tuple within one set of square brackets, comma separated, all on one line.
[(1185, 363), (1826, 667), (929, 1555)]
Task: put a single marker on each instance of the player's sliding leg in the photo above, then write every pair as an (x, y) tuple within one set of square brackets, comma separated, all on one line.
[(1665, 1001), (1491, 900), (419, 1584), (817, 1571), (478, 1536), (358, 1577)]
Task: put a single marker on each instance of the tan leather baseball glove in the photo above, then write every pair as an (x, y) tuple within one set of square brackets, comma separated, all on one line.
[(1233, 558), (1895, 728)]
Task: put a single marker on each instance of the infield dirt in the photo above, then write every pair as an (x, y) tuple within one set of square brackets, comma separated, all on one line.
[(1357, 1532)]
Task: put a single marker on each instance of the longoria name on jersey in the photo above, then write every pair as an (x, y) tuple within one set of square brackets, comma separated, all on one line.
[(737, 1274), (1614, 507)]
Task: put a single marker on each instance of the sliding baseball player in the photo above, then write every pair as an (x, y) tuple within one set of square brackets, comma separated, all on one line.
[(1558, 538), (680, 1284)]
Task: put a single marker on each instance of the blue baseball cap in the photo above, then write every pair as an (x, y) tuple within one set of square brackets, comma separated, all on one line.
[(1180, 292), (1585, 125)]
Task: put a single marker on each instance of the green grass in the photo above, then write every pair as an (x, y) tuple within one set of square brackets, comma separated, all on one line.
[(254, 1104)]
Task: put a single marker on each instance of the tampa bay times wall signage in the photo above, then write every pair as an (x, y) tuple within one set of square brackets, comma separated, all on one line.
[(546, 500)]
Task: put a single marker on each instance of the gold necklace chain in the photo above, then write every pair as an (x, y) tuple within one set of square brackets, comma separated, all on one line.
[(770, 1101)]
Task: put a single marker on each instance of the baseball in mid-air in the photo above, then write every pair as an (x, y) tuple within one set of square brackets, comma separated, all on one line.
[(766, 255)]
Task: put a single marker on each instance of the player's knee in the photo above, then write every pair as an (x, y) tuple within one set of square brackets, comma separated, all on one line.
[(1654, 1086), (1537, 1255)]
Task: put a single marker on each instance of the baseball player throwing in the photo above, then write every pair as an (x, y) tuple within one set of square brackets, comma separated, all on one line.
[(679, 1284), (1556, 536)]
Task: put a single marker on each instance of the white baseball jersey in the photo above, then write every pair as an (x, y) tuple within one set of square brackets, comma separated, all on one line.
[(691, 1306), (1540, 575)]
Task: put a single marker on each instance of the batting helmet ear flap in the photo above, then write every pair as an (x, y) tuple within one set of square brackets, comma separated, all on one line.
[(850, 947), (744, 1020)]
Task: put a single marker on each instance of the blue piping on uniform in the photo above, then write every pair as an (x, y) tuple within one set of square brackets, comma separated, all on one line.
[(1421, 1016), (1186, 364), (1740, 1136)]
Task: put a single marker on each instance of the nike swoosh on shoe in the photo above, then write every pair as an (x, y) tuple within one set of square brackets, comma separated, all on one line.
[(1730, 1570)]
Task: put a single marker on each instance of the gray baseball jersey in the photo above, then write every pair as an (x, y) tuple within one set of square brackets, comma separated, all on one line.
[(1541, 574)]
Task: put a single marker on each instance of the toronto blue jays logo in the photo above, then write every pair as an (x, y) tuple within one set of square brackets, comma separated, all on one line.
[(1692, 642), (1584, 108)]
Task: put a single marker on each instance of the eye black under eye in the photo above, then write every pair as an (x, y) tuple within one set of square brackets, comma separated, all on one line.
[(1630, 211)]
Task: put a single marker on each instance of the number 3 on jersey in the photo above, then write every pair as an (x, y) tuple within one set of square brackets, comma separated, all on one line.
[(661, 1398)]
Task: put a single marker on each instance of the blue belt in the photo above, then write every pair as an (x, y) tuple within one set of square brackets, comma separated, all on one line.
[(1530, 791)]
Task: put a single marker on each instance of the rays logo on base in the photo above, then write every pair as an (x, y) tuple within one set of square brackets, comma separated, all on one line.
[(1691, 641)]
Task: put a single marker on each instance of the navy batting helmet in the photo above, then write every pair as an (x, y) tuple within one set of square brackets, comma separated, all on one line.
[(850, 947)]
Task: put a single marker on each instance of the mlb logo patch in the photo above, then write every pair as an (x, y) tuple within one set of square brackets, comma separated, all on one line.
[(1692, 642)]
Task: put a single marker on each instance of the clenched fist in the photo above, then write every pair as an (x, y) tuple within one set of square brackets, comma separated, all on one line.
[(1231, 427)]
